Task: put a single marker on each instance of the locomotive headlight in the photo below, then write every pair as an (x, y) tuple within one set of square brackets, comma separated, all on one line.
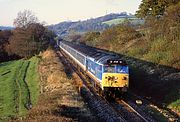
[(115, 78), (124, 78)]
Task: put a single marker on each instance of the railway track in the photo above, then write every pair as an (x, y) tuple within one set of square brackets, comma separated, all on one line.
[(117, 110), (133, 110), (128, 112)]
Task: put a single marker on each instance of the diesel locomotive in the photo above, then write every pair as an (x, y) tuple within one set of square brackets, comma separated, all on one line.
[(108, 72)]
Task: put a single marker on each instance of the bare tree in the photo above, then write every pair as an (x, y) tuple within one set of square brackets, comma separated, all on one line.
[(24, 19)]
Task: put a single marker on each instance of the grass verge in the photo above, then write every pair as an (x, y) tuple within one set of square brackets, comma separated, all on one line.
[(19, 87)]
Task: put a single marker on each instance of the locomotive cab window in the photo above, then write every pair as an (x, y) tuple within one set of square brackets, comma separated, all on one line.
[(122, 69), (109, 69)]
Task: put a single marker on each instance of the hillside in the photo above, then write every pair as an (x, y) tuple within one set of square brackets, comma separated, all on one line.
[(154, 60), (94, 24), (6, 28), (121, 20)]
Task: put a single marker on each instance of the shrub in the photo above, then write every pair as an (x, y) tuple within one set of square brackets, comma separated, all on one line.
[(159, 45), (136, 52), (155, 57)]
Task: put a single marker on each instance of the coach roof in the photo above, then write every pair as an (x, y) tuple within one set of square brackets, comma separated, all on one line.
[(98, 55)]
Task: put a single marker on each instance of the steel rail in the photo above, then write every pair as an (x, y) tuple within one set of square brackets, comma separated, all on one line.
[(125, 103)]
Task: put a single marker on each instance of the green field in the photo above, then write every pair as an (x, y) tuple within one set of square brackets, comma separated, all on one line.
[(19, 87), (134, 21)]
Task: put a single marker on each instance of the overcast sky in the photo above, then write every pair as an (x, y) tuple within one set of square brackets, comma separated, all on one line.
[(55, 11)]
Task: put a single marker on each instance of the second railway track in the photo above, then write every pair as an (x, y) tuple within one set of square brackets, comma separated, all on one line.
[(117, 110), (128, 112)]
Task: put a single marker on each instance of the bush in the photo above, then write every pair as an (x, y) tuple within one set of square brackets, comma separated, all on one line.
[(164, 52), (136, 52), (159, 45), (155, 57)]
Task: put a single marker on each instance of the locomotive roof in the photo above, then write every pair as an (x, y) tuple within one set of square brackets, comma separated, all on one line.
[(95, 54)]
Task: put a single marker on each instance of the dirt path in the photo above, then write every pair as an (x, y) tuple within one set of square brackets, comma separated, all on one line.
[(59, 100)]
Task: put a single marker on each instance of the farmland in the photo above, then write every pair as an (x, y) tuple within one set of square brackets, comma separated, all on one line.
[(19, 87), (134, 21)]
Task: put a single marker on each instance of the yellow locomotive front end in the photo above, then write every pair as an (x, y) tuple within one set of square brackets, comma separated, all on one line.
[(115, 78)]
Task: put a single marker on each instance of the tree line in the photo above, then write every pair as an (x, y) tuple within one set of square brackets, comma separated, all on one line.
[(154, 7), (162, 17), (27, 39)]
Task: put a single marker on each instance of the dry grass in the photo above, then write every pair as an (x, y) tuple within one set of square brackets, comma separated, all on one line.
[(59, 100)]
